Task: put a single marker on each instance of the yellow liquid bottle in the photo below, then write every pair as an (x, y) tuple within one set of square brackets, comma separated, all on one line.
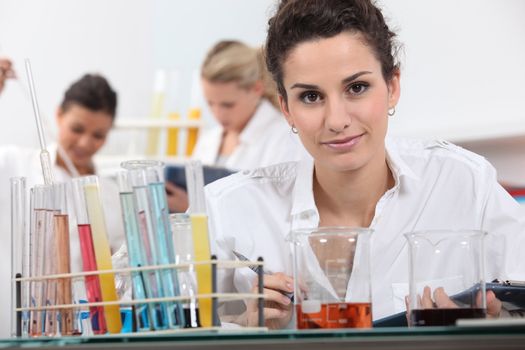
[(103, 256), (201, 247), (159, 91), (193, 133), (173, 136), (154, 133)]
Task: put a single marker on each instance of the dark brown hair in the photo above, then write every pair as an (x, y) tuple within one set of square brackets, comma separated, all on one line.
[(298, 21), (93, 92)]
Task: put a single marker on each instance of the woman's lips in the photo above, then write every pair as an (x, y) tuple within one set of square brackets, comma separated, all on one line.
[(343, 144)]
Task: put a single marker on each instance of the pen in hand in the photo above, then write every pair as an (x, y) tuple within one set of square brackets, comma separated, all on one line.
[(257, 268)]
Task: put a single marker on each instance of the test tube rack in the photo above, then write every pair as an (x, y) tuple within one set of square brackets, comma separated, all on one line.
[(22, 312)]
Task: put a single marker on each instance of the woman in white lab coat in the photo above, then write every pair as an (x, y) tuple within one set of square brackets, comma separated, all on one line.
[(242, 97), (84, 119), (338, 84)]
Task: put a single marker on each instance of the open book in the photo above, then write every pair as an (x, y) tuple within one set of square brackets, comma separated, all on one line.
[(176, 174)]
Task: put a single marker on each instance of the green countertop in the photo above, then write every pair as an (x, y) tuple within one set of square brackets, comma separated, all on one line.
[(471, 337)]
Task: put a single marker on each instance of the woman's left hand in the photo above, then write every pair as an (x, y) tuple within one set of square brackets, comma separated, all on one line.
[(442, 300), (493, 304)]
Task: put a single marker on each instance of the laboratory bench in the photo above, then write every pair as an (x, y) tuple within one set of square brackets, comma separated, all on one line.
[(471, 337)]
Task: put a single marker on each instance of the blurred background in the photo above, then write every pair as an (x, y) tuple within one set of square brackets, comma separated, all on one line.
[(463, 71)]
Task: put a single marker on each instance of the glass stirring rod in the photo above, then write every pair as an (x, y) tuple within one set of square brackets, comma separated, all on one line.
[(45, 160)]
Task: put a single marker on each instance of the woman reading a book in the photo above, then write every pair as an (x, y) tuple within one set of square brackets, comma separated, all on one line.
[(251, 131)]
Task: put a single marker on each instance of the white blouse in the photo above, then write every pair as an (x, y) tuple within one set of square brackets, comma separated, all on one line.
[(265, 140), (437, 186)]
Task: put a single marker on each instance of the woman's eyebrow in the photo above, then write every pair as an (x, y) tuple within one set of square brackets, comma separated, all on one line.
[(345, 81), (304, 86), (354, 77)]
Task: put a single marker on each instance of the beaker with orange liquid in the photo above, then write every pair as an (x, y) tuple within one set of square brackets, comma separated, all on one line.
[(332, 277)]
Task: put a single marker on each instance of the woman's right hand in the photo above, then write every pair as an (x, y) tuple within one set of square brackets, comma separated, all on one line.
[(6, 72), (278, 308)]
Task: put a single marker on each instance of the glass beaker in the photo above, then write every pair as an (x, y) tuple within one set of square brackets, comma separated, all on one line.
[(331, 271), (446, 271)]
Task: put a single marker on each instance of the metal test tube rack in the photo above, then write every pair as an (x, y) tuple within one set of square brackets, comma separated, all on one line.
[(215, 296)]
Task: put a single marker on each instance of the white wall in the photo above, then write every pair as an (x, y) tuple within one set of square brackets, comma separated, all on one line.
[(65, 39), (122, 39), (462, 72), (185, 31)]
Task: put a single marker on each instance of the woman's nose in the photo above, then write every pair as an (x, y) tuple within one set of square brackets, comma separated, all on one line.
[(85, 141), (337, 116)]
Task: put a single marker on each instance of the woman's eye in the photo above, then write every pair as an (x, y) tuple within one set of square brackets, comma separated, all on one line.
[(310, 97), (357, 88), (77, 130)]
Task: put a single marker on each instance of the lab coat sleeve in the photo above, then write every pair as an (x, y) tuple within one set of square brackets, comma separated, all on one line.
[(504, 220)]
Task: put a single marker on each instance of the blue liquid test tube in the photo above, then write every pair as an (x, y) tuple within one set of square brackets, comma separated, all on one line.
[(153, 280), (154, 221), (165, 238), (135, 251)]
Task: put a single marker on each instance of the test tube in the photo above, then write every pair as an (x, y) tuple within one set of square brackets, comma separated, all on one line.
[(182, 237), (41, 217), (63, 259), (50, 266), (161, 219), (102, 250), (19, 255), (201, 241), (153, 279), (161, 282), (89, 261), (135, 251)]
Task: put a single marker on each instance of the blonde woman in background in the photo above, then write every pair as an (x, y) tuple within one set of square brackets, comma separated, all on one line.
[(242, 97)]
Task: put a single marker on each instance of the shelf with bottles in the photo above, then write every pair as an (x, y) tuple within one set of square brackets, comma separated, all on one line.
[(168, 139), (153, 123)]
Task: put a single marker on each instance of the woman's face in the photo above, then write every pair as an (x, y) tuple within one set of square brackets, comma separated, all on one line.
[(338, 100), (231, 105), (82, 132)]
